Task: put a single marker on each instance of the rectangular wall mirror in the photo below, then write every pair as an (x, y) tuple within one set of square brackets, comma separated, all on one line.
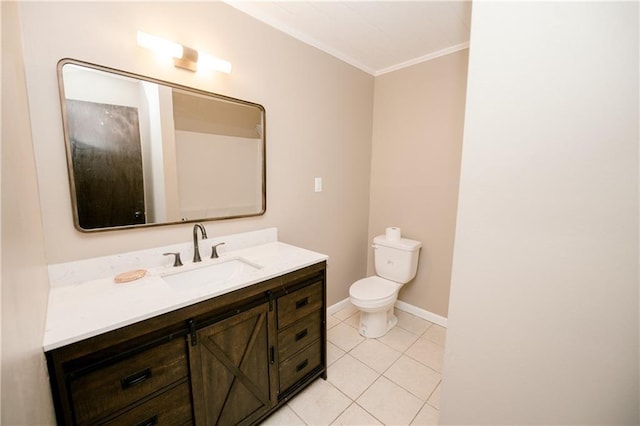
[(143, 152)]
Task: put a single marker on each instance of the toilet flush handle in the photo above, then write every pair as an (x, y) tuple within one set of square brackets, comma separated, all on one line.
[(375, 246)]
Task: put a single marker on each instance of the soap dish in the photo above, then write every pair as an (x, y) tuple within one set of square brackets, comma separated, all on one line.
[(125, 277)]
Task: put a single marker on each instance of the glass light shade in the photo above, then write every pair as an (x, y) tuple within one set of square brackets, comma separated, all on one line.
[(206, 61), (159, 45)]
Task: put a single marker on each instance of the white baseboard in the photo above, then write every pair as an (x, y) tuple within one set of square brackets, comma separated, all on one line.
[(338, 306), (403, 306), (421, 313)]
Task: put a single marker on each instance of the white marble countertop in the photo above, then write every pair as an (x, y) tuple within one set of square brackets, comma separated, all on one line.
[(81, 310)]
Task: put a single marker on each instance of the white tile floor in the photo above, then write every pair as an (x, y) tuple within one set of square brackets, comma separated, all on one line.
[(393, 380)]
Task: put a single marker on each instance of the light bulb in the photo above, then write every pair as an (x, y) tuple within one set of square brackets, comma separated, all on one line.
[(211, 62), (159, 45)]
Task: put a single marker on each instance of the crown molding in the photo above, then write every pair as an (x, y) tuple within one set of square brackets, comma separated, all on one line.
[(425, 58)]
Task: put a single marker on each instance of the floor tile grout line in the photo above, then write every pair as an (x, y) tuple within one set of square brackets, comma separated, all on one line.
[(367, 411), (390, 346), (404, 352), (431, 324), (355, 401), (296, 414), (380, 375), (431, 405), (418, 413), (408, 390), (426, 400)]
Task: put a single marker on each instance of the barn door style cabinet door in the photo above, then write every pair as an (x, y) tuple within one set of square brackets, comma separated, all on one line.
[(230, 368), (229, 360)]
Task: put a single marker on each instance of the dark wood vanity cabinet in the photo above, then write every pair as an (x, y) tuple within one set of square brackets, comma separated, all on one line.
[(230, 360)]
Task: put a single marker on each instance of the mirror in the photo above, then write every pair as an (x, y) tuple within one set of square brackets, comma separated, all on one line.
[(144, 152)]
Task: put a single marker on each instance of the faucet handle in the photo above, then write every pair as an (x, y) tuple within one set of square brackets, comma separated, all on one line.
[(214, 250), (176, 261)]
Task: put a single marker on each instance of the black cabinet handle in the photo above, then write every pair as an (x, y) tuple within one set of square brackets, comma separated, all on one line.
[(270, 297), (136, 378), (272, 355), (151, 421), (302, 334), (302, 302), (302, 365), (194, 333)]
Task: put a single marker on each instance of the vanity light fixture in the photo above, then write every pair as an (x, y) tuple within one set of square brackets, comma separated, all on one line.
[(183, 57)]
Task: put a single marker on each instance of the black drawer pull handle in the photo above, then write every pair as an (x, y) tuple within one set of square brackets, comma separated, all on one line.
[(302, 365), (302, 302), (151, 421), (136, 378), (302, 334)]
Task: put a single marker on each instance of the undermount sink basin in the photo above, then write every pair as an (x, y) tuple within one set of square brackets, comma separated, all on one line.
[(216, 273)]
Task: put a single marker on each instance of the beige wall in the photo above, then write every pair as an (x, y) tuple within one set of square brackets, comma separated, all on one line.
[(543, 321), (415, 168), (26, 398), (318, 121), (319, 113)]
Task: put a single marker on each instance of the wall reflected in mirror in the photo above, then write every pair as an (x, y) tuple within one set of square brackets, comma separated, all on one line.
[(144, 152)]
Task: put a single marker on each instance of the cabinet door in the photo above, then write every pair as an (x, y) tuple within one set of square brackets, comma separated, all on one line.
[(230, 369)]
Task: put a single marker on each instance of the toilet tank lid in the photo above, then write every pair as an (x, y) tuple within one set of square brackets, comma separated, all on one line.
[(402, 243)]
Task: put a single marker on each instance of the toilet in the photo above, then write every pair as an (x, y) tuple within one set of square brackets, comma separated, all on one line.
[(396, 263)]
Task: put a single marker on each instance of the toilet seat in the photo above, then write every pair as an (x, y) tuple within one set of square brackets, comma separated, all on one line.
[(373, 292)]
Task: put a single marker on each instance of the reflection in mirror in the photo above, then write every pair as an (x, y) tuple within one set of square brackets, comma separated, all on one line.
[(144, 152)]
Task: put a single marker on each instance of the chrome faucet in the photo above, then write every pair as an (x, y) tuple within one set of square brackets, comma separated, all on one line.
[(196, 251)]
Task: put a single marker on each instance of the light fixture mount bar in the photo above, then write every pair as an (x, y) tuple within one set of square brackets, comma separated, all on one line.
[(189, 59)]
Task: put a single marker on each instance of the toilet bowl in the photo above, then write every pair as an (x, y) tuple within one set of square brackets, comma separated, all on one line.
[(375, 298), (396, 263)]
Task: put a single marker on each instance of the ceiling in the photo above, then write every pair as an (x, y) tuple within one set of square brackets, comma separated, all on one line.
[(375, 36)]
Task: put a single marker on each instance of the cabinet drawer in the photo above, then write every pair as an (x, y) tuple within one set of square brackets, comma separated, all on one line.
[(296, 367), (100, 392), (299, 334), (169, 408), (298, 304)]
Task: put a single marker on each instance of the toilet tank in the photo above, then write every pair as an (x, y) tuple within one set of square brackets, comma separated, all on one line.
[(396, 260)]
